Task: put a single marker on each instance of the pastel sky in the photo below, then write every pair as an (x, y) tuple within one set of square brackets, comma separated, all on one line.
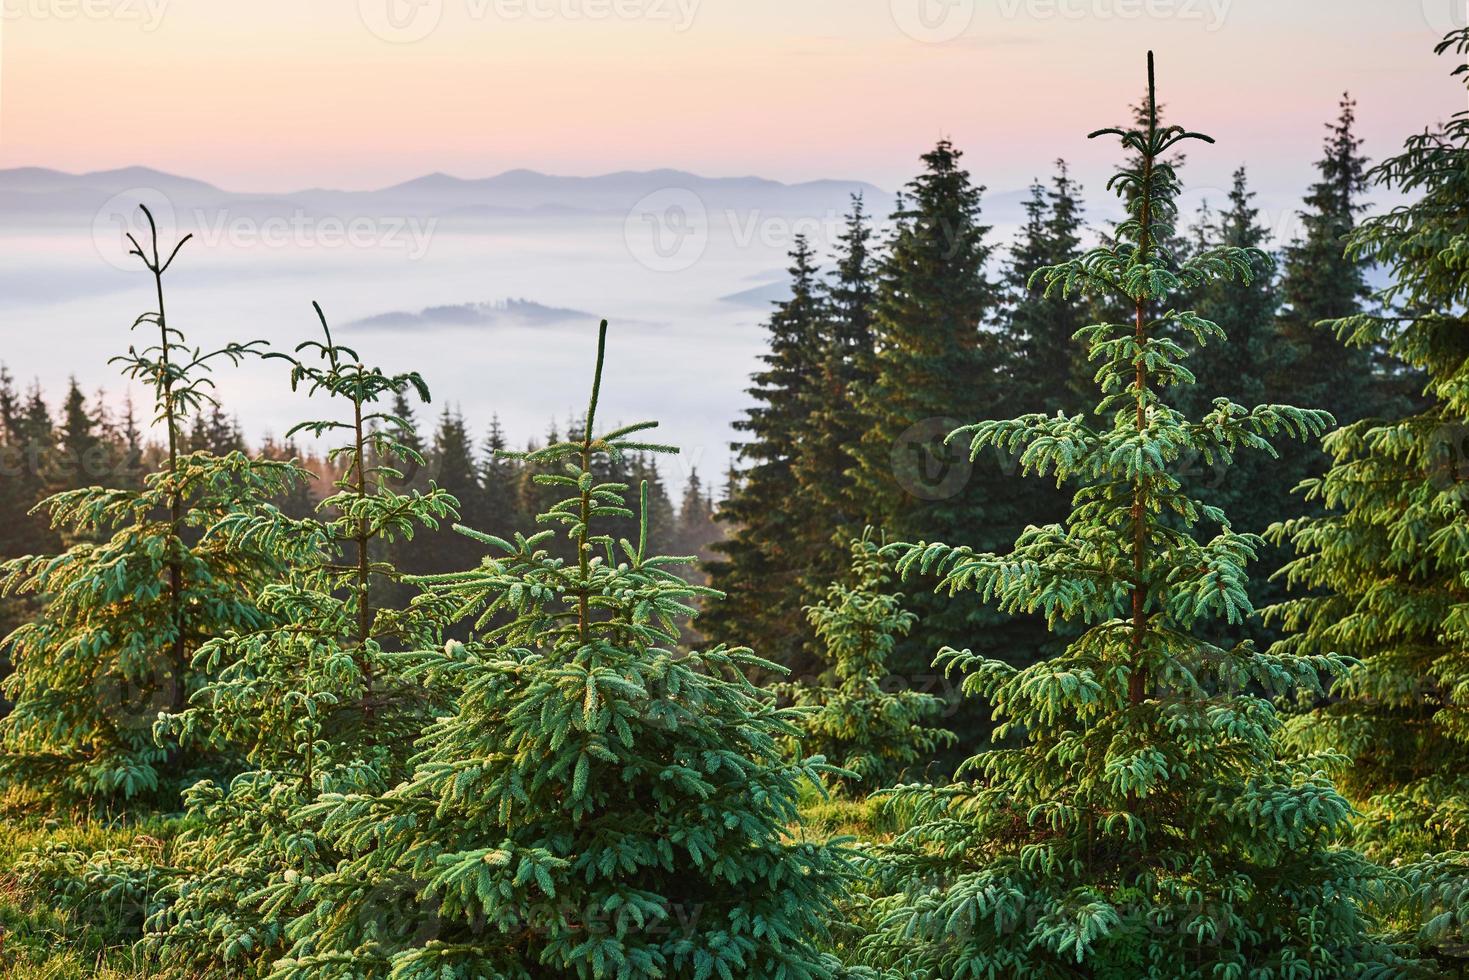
[(284, 94)]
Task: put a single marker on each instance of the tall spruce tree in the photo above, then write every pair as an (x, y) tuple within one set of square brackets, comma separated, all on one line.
[(1246, 312), (126, 612), (455, 470), (1381, 572), (933, 354), (1045, 368), (499, 480), (81, 458), (834, 428), (775, 530), (1144, 823), (1046, 371), (597, 805), (937, 363), (1322, 282), (1254, 489), (314, 699), (698, 528)]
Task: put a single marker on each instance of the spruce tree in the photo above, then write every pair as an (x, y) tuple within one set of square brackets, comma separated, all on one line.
[(457, 472), (81, 456), (1245, 311), (934, 356), (1254, 489), (938, 362), (499, 480), (1143, 823), (873, 734), (775, 529), (821, 466), (314, 699), (698, 528), (1322, 281), (596, 805), (1047, 372), (128, 606), (1380, 574)]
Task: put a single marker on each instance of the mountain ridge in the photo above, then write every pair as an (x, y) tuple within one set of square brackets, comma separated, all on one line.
[(40, 178)]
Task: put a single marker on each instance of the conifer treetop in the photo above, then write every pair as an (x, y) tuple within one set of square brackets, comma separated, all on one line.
[(598, 803), (144, 587), (1142, 820)]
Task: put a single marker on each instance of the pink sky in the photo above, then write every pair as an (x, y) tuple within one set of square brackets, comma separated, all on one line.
[(282, 94)]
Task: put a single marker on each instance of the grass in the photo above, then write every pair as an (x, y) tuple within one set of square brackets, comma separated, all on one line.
[(41, 942)]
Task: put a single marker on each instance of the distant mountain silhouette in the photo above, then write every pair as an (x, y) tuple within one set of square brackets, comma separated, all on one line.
[(506, 312), (39, 191), (760, 297)]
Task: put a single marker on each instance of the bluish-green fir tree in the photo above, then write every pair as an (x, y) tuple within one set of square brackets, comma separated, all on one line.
[(776, 532), (597, 805), (1144, 823), (938, 361), (1380, 575), (130, 603), (315, 700)]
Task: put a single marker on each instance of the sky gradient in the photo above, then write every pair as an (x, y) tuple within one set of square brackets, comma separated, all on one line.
[(285, 94)]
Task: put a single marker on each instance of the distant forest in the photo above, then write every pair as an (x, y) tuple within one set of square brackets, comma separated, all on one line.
[(48, 447)]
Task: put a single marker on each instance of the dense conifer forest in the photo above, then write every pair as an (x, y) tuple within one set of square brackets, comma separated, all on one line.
[(1090, 604)]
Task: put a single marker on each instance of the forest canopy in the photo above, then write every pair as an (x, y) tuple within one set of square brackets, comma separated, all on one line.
[(1092, 604)]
